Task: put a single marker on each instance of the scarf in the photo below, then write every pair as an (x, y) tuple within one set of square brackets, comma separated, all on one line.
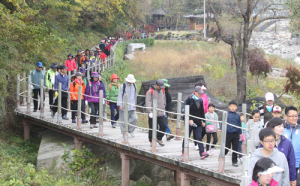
[(269, 108)]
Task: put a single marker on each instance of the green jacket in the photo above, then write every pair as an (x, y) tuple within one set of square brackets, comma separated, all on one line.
[(48, 78), (112, 93), (84, 79)]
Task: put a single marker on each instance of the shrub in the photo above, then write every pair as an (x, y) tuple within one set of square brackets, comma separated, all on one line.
[(293, 75)]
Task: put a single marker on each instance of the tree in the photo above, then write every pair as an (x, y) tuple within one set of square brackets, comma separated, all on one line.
[(258, 65), (236, 24), (293, 82)]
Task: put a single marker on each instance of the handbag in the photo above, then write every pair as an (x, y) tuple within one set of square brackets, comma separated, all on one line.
[(243, 138), (210, 128)]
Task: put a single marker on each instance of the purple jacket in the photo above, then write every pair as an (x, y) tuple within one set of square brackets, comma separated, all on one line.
[(93, 89)]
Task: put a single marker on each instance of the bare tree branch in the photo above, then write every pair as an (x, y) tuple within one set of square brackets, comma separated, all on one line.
[(254, 5), (265, 19), (241, 8)]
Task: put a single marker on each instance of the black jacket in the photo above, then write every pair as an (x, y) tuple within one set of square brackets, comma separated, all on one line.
[(168, 102), (195, 111), (102, 46)]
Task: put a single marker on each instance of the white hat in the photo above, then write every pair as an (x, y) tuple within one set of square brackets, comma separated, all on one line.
[(130, 78), (269, 96), (271, 170)]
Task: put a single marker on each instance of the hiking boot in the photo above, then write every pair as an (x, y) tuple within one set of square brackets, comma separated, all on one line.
[(235, 164), (132, 134), (34, 110), (114, 125), (52, 114), (65, 117), (204, 155), (160, 143), (73, 120), (95, 126), (169, 137), (84, 121)]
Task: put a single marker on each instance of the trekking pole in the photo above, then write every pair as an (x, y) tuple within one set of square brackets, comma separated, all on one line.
[(101, 113), (79, 108), (18, 92), (28, 94), (223, 143), (24, 88), (154, 125), (178, 130), (59, 105), (186, 133), (42, 99), (69, 95), (125, 134)]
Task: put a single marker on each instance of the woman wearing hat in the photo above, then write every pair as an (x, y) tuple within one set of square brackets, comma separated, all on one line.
[(112, 96), (267, 108), (71, 64), (74, 89), (93, 91)]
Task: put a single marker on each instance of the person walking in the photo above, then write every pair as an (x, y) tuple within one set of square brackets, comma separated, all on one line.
[(62, 78), (83, 72), (71, 64), (112, 97), (128, 88), (35, 76), (212, 128), (79, 59), (102, 45), (157, 92), (267, 108), (51, 74), (168, 108)]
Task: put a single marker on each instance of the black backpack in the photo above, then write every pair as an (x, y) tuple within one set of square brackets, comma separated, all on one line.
[(124, 86)]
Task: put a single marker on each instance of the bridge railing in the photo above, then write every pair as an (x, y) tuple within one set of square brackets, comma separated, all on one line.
[(102, 102)]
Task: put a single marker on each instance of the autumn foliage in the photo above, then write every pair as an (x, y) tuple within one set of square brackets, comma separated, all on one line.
[(293, 75)]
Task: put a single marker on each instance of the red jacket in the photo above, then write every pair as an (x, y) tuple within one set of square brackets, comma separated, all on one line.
[(70, 64), (272, 183), (103, 56)]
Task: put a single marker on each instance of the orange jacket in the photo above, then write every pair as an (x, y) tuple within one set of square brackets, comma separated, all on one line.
[(74, 88)]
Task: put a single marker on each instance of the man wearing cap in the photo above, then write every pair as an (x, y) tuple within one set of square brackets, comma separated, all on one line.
[(168, 108), (266, 109), (64, 80), (36, 76), (71, 64), (157, 92), (79, 59), (130, 89), (292, 132), (49, 75)]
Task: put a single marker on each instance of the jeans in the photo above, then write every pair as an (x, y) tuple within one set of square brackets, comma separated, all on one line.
[(132, 119), (232, 140), (167, 125), (161, 122), (64, 101), (208, 136), (240, 148), (113, 115), (94, 110), (74, 107), (36, 92), (197, 132), (203, 132)]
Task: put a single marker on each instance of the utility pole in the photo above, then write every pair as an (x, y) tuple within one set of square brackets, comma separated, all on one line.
[(204, 30)]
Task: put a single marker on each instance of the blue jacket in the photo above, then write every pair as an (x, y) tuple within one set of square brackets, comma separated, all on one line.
[(293, 134), (286, 147), (64, 80), (234, 119)]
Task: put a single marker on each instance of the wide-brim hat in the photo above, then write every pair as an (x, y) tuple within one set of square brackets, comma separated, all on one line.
[(130, 78), (78, 74), (95, 74), (53, 65), (82, 70)]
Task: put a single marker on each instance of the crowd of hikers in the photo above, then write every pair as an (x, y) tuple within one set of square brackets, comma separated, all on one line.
[(274, 162)]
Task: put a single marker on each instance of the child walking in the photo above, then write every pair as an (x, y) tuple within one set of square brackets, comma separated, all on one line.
[(212, 128), (258, 125), (233, 134), (242, 140), (112, 97)]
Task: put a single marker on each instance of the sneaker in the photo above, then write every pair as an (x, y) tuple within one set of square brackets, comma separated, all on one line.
[(196, 147), (114, 125), (91, 127), (52, 114), (211, 151), (65, 117), (160, 143), (208, 152), (235, 164), (73, 120), (95, 126), (204, 155), (169, 137), (132, 134), (241, 160), (150, 144), (84, 121), (34, 110)]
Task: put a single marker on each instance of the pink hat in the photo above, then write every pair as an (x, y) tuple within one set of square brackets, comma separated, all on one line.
[(269, 96), (277, 109)]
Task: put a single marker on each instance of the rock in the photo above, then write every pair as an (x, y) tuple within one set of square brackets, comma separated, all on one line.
[(164, 183), (145, 179), (129, 57), (132, 47), (278, 72), (210, 40), (51, 149), (159, 36), (115, 167), (297, 60)]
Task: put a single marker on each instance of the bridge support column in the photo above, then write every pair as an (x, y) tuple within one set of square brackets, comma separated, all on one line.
[(26, 130), (78, 143), (185, 179), (125, 169), (177, 177)]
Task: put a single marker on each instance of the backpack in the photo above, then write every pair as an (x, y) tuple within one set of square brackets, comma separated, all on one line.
[(152, 91), (124, 86), (118, 85), (75, 83)]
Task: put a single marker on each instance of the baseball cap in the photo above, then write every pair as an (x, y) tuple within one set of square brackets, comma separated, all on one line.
[(199, 89), (63, 67), (166, 83), (39, 64), (78, 51), (160, 83), (269, 96), (277, 109)]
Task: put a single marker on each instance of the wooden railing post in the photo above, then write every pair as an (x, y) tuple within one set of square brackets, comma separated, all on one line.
[(245, 181), (79, 108), (59, 116), (24, 89), (186, 133), (223, 143), (154, 125), (42, 99), (178, 130), (101, 113), (69, 95), (125, 134), (28, 94), (18, 92), (251, 140)]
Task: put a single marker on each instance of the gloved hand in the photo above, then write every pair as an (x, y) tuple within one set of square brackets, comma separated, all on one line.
[(150, 115), (56, 94), (194, 125), (107, 102), (86, 103)]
